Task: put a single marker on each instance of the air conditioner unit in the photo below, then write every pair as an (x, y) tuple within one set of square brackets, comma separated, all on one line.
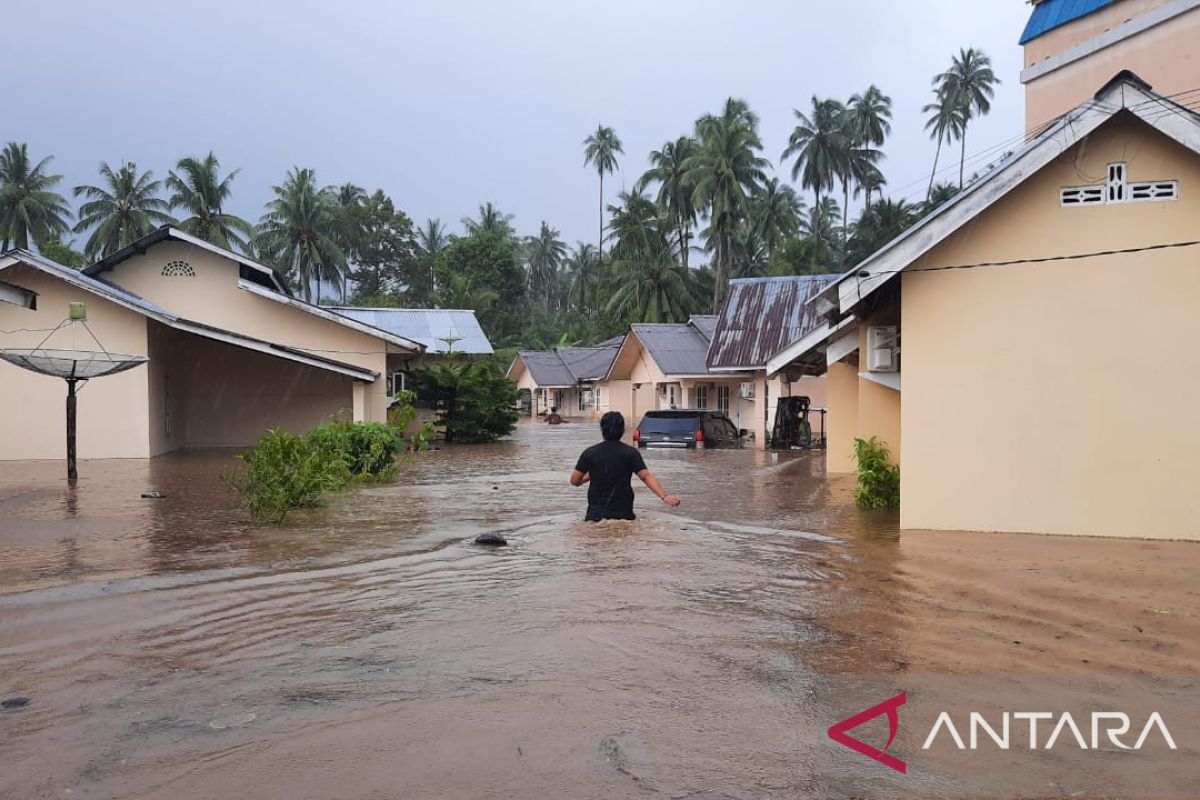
[(746, 391), (883, 348)]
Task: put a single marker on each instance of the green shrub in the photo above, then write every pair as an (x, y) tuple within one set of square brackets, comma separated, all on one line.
[(878, 479), (283, 472), (367, 448), (474, 400)]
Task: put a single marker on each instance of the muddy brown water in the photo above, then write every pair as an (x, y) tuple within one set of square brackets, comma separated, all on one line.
[(169, 649)]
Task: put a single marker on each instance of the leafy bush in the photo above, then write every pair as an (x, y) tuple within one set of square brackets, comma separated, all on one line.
[(878, 479), (285, 471), (474, 401)]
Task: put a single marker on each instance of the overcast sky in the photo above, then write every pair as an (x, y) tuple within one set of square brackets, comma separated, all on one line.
[(445, 105)]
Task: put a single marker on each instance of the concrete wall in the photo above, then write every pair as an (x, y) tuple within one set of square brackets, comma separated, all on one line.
[(1017, 379), (212, 297), (1166, 56), (227, 396), (842, 385), (112, 411)]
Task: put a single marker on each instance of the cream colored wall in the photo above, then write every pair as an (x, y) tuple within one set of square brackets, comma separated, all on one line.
[(112, 411), (841, 383), (1016, 379), (212, 297), (1166, 56)]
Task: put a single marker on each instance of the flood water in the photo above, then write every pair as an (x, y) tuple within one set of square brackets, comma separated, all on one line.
[(169, 649)]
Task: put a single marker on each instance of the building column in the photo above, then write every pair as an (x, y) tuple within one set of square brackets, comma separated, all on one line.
[(761, 401), (841, 389), (359, 401)]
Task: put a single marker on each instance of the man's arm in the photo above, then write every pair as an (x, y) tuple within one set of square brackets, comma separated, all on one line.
[(653, 485), (580, 478)]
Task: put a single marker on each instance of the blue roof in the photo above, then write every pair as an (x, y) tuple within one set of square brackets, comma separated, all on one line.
[(440, 330), (1050, 14)]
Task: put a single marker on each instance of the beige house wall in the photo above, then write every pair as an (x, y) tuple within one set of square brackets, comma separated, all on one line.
[(1166, 56), (112, 411), (213, 297), (1017, 379), (841, 382)]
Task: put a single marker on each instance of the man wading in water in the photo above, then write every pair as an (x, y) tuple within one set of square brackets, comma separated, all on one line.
[(608, 466)]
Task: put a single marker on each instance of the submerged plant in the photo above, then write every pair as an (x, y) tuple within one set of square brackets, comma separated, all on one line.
[(878, 478)]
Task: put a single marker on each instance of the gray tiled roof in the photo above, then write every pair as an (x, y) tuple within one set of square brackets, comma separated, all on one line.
[(761, 316), (547, 369), (677, 348), (431, 327), (588, 363)]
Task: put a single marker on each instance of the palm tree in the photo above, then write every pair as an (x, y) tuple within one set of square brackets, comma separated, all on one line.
[(674, 190), (821, 145), (724, 172), (868, 179), (299, 231), (945, 123), (652, 288), (870, 121), (199, 191), (460, 293), (886, 220), (124, 210), (491, 220), (583, 266), (432, 238), (546, 254), (29, 206), (776, 214), (971, 83), (601, 150), (938, 195), (349, 226)]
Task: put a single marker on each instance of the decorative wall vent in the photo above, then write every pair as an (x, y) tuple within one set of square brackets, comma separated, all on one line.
[(1117, 189), (178, 269)]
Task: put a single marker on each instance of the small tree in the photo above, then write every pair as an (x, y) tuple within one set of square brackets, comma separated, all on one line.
[(878, 479), (474, 401)]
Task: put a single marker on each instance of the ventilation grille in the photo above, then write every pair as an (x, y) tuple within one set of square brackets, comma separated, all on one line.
[(1117, 189), (178, 269)]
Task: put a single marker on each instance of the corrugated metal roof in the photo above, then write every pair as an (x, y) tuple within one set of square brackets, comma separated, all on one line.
[(761, 316), (1050, 14), (431, 327), (677, 348), (588, 363)]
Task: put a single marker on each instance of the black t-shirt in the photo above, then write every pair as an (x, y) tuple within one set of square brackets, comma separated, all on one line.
[(611, 465)]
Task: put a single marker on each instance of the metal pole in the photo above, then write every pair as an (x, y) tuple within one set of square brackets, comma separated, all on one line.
[(72, 471)]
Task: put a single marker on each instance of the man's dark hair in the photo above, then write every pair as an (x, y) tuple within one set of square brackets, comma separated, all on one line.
[(553, 409), (612, 426)]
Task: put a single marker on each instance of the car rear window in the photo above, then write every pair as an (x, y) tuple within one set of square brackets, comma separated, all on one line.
[(670, 425)]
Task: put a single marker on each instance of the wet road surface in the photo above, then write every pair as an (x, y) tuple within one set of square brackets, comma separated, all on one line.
[(367, 650)]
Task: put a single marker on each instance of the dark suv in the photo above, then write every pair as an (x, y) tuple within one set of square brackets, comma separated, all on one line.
[(687, 429)]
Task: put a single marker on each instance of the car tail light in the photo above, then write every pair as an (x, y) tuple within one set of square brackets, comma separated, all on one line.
[(637, 435)]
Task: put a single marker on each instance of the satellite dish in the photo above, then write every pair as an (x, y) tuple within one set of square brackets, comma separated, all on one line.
[(73, 366)]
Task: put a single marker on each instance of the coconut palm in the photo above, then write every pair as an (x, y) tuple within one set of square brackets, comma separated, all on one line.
[(30, 209), (776, 211), (651, 288), (886, 220), (945, 123), (821, 145), (938, 195), (583, 266), (299, 231), (349, 226), (491, 220), (674, 191), (868, 180), (460, 293), (725, 171), (601, 150), (122, 211), (546, 253), (870, 116), (202, 193), (971, 83), (432, 238)]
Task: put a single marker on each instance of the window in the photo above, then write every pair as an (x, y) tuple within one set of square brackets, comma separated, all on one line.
[(671, 399), (178, 269), (583, 398), (723, 398), (1117, 189), (701, 397), (397, 383)]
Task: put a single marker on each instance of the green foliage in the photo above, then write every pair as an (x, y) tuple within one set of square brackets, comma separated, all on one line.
[(485, 261), (475, 401), (878, 478), (284, 471), (299, 230), (56, 249), (201, 193), (122, 210), (30, 209)]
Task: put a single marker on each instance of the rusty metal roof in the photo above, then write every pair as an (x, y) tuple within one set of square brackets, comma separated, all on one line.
[(761, 316)]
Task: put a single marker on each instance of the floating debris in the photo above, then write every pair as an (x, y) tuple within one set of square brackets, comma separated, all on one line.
[(221, 723), (491, 539), (153, 495), (13, 703)]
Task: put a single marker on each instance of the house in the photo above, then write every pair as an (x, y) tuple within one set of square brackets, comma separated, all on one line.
[(1073, 46), (566, 378), (231, 352), (664, 365), (758, 318), (1000, 346), (445, 333)]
